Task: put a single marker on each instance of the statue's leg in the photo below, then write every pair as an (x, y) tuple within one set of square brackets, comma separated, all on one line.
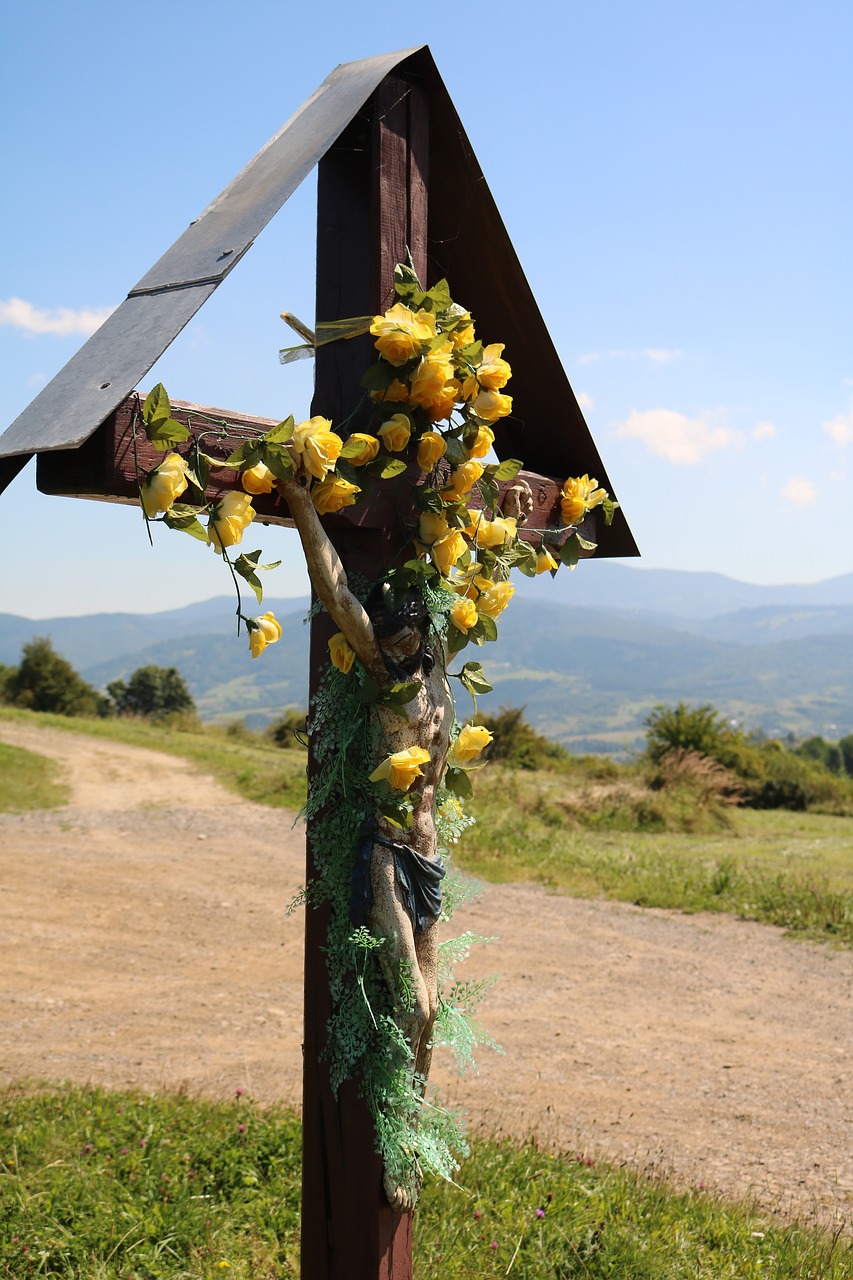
[(426, 946)]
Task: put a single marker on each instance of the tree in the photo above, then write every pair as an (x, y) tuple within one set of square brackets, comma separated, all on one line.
[(517, 744), (47, 682), (152, 691)]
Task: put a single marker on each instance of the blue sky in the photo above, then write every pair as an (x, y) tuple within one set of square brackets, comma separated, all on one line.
[(676, 180)]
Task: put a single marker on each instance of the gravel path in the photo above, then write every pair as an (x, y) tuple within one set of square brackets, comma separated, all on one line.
[(144, 942)]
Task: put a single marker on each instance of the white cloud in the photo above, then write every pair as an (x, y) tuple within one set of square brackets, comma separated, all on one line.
[(799, 492), (763, 431), (840, 429), (658, 355), (584, 401), (681, 440), (655, 355), (62, 321)]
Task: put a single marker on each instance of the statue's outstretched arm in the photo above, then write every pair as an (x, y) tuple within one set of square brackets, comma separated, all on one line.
[(329, 579)]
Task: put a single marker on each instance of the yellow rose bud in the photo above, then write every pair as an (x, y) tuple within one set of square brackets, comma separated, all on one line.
[(545, 562), (491, 405), (316, 447), (462, 480), (341, 654), (164, 485), (431, 447), (333, 494), (465, 336), (463, 614), (580, 494), (495, 600), (395, 433), (258, 479), (444, 402), (493, 372), (494, 533), (231, 515), (432, 525), (401, 768), (482, 444), (266, 631), (368, 449), (431, 377), (446, 550), (395, 393), (400, 334), (473, 738)]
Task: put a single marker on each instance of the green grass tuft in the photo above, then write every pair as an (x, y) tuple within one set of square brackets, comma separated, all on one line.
[(28, 781)]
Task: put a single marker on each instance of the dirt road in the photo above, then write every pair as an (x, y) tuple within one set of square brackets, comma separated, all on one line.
[(143, 942)]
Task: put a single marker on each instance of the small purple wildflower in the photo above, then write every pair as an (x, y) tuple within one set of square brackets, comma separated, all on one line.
[(125, 1151), (238, 1093), (540, 1213), (493, 1245), (142, 1142), (241, 1128), (477, 1215)]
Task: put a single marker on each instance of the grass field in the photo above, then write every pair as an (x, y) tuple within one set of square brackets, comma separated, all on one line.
[(115, 1186), (28, 781)]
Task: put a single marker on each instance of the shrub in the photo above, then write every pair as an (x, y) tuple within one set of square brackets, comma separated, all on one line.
[(290, 730), (517, 744), (700, 730)]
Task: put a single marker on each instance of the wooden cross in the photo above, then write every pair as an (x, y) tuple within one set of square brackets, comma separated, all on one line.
[(373, 206)]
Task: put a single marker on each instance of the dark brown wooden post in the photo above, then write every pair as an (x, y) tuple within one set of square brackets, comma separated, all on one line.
[(372, 205)]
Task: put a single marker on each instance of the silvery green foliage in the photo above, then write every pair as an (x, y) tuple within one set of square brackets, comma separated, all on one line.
[(415, 1136)]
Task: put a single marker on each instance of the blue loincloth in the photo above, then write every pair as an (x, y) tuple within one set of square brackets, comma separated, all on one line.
[(419, 879)]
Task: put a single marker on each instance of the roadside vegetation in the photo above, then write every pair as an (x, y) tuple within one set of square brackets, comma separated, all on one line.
[(28, 781), (119, 1186)]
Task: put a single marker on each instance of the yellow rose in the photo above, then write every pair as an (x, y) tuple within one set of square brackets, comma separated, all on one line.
[(369, 447), (341, 654), (395, 433), (258, 479), (430, 379), (471, 581), (491, 405), (493, 372), (165, 485), (431, 447), (463, 614), (494, 533), (580, 494), (266, 631), (393, 394), (473, 738), (333, 494), (444, 402), (462, 480), (495, 600), (545, 562), (432, 525), (401, 768), (231, 515), (465, 336), (400, 333), (316, 447), (482, 444), (446, 550)]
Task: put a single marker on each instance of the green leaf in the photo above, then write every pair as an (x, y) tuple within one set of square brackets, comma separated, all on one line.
[(458, 783), (247, 566), (524, 558), (157, 407), (397, 812), (439, 296), (455, 453), (472, 354), (608, 506), (426, 499), (352, 448), (165, 433), (585, 544), (369, 691), (474, 680), (456, 639), (508, 469), (248, 454), (280, 434), (279, 461), (570, 551), (185, 520), (487, 627), (379, 376), (400, 695), (393, 467), (489, 492), (406, 281)]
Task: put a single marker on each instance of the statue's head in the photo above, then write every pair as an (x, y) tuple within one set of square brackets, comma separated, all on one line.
[(400, 621)]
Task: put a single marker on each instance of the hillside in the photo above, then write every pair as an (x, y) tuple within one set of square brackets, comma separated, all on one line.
[(588, 654)]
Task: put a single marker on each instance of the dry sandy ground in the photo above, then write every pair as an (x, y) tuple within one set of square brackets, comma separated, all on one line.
[(144, 942)]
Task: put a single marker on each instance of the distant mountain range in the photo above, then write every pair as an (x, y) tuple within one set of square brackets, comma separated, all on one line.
[(588, 654)]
